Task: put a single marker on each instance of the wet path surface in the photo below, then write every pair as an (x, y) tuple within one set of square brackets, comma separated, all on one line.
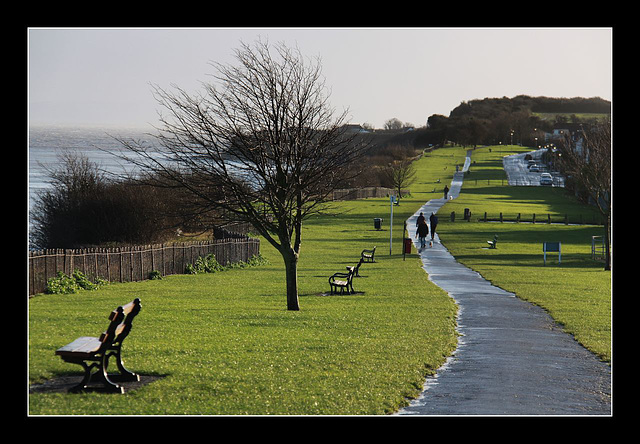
[(512, 358)]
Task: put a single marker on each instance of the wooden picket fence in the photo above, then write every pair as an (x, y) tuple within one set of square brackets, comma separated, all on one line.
[(365, 193), (134, 263)]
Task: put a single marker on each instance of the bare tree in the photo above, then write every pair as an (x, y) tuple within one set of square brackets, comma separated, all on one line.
[(393, 124), (400, 174), (590, 169), (261, 144)]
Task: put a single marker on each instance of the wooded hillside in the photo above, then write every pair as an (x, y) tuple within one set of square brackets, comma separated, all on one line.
[(493, 121)]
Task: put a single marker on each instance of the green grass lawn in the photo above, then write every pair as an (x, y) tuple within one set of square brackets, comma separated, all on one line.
[(576, 292), (226, 344)]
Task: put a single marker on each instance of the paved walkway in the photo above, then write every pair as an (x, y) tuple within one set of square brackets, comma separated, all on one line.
[(512, 358)]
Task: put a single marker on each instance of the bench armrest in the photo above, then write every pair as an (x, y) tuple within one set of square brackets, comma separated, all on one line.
[(340, 275)]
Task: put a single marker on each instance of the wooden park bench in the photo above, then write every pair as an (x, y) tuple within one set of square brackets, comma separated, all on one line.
[(368, 255), (342, 281), (97, 351), (494, 242)]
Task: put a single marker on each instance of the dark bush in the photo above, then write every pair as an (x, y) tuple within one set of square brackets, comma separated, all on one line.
[(84, 208)]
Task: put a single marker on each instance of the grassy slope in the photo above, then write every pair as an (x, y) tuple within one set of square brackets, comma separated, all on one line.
[(227, 345)]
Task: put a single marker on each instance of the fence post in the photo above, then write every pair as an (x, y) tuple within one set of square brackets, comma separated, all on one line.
[(97, 271)]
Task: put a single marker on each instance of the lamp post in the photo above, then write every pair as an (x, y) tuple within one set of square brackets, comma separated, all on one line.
[(392, 200)]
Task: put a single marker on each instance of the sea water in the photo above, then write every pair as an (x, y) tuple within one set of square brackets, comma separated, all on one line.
[(46, 144)]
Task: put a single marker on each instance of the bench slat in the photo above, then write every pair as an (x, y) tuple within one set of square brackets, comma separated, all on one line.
[(85, 346)]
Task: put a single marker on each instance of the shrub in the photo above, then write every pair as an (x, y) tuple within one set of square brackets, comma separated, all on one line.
[(82, 207), (63, 284), (82, 281), (154, 274), (209, 264)]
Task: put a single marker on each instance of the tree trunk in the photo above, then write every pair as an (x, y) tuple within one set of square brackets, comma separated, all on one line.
[(607, 258), (291, 268)]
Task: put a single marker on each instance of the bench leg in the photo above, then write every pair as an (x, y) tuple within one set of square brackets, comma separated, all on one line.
[(85, 379), (125, 373), (100, 376)]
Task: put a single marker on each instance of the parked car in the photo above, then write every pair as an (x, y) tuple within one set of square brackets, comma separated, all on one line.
[(546, 179), (534, 169)]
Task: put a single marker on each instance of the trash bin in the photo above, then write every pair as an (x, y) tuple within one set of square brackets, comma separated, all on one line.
[(407, 246), (467, 214), (377, 223)]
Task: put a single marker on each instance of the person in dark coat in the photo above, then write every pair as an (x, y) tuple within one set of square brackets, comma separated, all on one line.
[(433, 220), (420, 219), (422, 232), (446, 191)]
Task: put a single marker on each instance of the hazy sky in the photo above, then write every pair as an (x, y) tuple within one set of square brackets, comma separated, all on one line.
[(102, 76)]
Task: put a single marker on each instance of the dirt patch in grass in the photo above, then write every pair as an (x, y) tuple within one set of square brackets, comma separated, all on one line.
[(63, 384)]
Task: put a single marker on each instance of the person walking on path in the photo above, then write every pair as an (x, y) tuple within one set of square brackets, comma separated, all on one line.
[(420, 219), (446, 191), (433, 221), (422, 231)]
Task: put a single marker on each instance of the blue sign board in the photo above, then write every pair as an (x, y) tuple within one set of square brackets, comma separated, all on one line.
[(552, 247)]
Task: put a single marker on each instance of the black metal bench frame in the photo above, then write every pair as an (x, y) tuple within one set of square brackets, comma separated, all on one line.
[(94, 353), (356, 269), (368, 255), (342, 281), (494, 242)]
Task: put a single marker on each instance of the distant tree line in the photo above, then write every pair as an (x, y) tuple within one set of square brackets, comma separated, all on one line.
[(490, 121)]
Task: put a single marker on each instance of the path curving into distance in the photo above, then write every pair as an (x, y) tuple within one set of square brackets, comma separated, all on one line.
[(512, 358)]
